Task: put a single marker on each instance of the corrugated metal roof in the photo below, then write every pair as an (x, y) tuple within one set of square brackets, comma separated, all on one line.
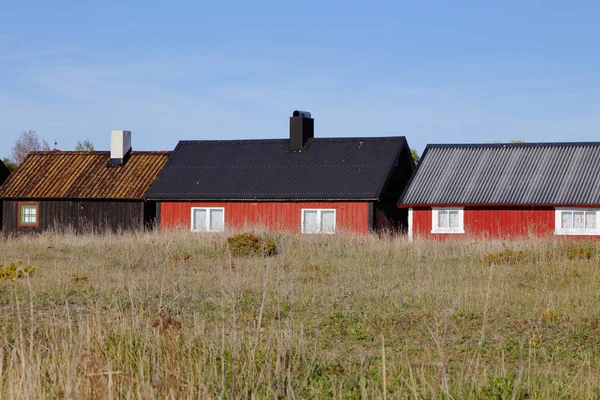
[(83, 175), (329, 169), (507, 174)]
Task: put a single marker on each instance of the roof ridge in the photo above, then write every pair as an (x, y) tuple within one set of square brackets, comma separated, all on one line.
[(516, 145), (274, 140), (94, 152)]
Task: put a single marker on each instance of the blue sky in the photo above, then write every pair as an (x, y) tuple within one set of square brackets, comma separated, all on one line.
[(435, 72)]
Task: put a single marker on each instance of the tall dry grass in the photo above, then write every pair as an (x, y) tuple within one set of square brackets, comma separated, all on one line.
[(174, 316)]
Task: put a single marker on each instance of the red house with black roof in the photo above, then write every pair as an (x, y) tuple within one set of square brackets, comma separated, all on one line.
[(301, 184), (505, 190)]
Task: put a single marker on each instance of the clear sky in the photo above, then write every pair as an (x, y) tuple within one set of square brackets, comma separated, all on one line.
[(435, 72)]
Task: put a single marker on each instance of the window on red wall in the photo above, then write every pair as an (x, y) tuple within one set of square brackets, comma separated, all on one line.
[(316, 220), (447, 220), (576, 221), (208, 219)]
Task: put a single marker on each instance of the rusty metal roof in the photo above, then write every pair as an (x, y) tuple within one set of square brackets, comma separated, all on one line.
[(506, 174), (83, 175)]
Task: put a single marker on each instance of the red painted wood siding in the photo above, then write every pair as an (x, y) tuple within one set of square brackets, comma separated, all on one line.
[(275, 216), (492, 222)]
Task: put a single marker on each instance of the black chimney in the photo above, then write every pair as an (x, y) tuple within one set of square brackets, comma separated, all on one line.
[(302, 128)]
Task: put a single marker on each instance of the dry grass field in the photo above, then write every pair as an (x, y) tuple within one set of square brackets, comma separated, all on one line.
[(177, 316)]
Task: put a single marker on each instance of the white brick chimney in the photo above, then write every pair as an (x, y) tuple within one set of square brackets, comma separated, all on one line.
[(120, 145)]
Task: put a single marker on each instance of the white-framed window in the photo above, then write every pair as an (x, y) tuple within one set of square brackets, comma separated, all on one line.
[(208, 219), (576, 221), (317, 220), (447, 220)]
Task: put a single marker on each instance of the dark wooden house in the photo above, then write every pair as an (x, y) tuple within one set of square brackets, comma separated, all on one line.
[(4, 173), (505, 191), (87, 191), (301, 184)]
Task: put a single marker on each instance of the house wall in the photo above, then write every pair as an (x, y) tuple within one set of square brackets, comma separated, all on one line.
[(491, 222), (388, 216), (275, 216), (82, 216)]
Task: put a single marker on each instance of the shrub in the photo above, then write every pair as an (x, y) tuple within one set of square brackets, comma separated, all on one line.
[(506, 256), (249, 244), (175, 257), (79, 277), (580, 252), (15, 271)]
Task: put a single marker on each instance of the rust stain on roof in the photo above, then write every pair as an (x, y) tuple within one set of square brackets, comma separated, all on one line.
[(83, 175)]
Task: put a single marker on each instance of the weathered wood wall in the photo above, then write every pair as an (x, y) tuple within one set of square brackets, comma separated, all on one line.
[(80, 216)]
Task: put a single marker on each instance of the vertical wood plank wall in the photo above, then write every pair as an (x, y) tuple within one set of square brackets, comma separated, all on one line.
[(491, 222), (274, 216), (82, 216)]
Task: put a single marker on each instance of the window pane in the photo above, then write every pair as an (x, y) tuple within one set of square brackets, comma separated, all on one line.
[(216, 220), (590, 220), (566, 220), (28, 214), (200, 219), (442, 219), (328, 221), (578, 220), (311, 225), (453, 219)]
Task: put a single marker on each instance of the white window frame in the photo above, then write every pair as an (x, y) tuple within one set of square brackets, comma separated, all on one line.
[(319, 218), (208, 209), (410, 224), (435, 218), (558, 230)]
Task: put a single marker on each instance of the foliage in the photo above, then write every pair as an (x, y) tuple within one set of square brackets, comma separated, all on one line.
[(250, 244), (14, 271), (86, 145), (27, 142), (580, 252), (506, 256), (9, 164), (415, 156), (79, 278)]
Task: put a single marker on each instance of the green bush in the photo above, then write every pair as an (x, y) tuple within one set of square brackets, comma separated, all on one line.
[(250, 244), (15, 271)]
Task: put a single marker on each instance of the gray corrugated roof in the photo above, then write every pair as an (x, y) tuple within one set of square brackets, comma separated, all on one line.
[(329, 169), (515, 174)]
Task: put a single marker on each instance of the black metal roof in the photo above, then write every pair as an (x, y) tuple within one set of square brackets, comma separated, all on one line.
[(506, 174), (328, 169), (4, 172)]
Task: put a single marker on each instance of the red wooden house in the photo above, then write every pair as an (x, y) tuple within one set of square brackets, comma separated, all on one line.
[(505, 190), (300, 184)]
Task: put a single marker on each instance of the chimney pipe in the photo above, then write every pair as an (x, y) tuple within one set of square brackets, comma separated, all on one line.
[(302, 128), (120, 146)]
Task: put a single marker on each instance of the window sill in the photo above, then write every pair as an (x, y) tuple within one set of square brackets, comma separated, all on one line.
[(576, 233), (448, 231)]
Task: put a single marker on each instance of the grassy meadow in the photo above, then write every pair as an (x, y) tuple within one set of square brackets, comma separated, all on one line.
[(176, 315)]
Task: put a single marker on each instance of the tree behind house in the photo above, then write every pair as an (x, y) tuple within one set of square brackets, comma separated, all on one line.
[(86, 145), (27, 142)]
